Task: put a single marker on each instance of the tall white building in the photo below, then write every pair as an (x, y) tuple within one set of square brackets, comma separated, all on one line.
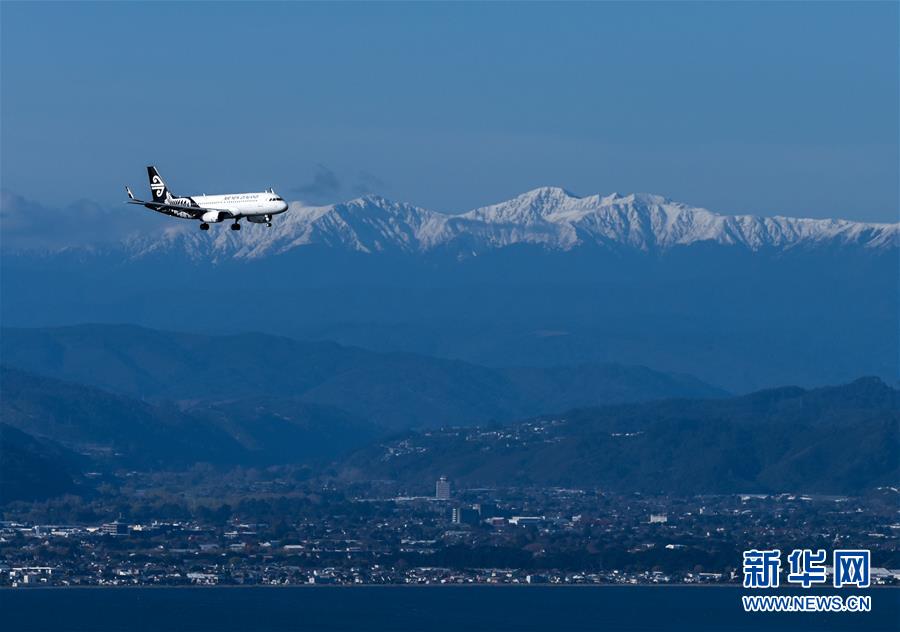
[(442, 489)]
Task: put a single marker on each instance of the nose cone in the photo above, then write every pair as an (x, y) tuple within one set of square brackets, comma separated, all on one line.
[(283, 207)]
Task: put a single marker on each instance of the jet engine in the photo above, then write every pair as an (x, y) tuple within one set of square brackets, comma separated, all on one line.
[(214, 217)]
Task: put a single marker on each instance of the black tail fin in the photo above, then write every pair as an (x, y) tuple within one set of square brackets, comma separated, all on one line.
[(157, 186)]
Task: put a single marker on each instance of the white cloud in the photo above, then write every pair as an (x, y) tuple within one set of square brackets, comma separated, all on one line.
[(28, 225)]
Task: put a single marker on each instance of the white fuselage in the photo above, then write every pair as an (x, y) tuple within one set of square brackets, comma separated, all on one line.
[(244, 204)]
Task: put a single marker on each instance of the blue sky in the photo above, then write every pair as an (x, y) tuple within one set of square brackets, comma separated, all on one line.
[(765, 108)]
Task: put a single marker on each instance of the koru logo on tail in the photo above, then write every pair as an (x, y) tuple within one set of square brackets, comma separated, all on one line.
[(158, 186)]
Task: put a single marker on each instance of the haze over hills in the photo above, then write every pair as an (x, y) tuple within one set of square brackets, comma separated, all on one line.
[(32, 468), (394, 390), (544, 279), (843, 439), (109, 426), (120, 431)]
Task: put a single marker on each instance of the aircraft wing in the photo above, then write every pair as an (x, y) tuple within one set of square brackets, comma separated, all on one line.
[(177, 209), (190, 210)]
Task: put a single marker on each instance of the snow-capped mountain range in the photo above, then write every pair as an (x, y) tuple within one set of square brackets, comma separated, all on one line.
[(549, 217)]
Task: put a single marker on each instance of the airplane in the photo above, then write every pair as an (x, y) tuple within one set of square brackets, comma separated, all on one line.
[(212, 209)]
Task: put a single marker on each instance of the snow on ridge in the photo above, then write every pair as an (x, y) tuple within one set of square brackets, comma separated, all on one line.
[(549, 216)]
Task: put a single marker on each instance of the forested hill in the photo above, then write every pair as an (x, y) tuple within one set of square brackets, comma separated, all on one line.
[(840, 439)]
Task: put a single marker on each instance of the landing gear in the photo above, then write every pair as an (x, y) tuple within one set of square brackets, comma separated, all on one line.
[(269, 224), (235, 226), (204, 226)]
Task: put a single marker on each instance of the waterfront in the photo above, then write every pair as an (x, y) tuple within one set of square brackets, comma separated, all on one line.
[(307, 533), (416, 608)]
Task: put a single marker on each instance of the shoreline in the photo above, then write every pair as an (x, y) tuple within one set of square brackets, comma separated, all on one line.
[(436, 586)]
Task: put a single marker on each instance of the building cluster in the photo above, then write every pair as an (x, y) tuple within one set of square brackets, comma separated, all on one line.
[(377, 534)]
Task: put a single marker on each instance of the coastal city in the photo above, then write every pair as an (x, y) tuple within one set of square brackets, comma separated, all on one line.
[(304, 532)]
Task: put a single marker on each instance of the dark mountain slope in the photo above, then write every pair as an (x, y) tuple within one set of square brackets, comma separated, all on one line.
[(839, 439), (398, 390), (286, 430), (92, 421), (32, 469), (122, 431)]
